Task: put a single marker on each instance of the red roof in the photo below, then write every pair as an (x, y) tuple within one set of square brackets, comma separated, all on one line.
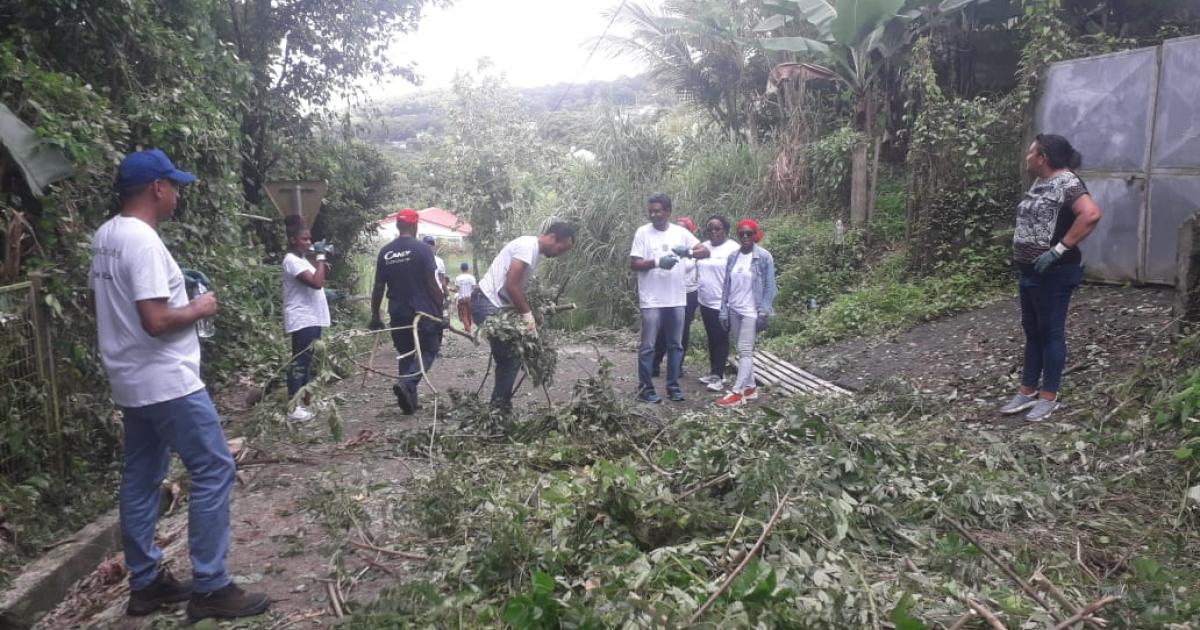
[(446, 219), (435, 216)]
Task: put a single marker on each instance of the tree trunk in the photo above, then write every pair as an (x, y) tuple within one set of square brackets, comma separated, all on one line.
[(858, 185), (859, 194)]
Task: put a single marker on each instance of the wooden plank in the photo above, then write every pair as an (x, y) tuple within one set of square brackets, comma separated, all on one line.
[(776, 380), (809, 375), (781, 374), (772, 380), (800, 376)]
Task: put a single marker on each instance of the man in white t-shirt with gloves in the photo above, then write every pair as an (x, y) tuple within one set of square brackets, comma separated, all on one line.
[(151, 354), (503, 286), (657, 249)]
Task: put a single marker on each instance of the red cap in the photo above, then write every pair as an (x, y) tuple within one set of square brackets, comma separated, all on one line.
[(751, 224), (687, 223), (408, 215)]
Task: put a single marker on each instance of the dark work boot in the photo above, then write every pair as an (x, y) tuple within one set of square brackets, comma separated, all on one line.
[(404, 399), (165, 589), (226, 603)]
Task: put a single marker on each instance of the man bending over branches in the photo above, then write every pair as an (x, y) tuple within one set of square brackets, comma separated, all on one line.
[(503, 287)]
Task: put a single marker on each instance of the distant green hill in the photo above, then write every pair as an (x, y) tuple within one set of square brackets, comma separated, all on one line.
[(396, 122)]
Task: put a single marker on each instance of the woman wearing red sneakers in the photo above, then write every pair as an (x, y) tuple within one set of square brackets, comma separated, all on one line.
[(746, 305)]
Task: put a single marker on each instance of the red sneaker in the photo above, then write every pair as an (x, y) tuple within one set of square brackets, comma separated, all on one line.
[(730, 400), (750, 393)]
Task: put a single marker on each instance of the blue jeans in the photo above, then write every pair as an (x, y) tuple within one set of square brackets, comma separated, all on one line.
[(689, 314), (508, 362), (189, 426), (1045, 298), (670, 321), (302, 355), (408, 366)]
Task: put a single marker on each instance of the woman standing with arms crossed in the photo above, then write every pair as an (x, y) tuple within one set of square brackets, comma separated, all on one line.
[(305, 311), (1054, 217), (749, 292)]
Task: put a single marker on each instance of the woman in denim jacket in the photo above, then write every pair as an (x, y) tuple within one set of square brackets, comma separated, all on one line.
[(746, 305)]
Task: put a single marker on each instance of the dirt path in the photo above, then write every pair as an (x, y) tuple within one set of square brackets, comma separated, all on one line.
[(300, 492), (974, 360)]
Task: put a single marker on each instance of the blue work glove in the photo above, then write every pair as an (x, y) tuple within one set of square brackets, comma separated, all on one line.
[(193, 277), (322, 247), (682, 251), (1048, 258), (760, 322), (667, 262)]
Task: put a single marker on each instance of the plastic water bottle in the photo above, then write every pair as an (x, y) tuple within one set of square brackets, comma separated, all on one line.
[(205, 327)]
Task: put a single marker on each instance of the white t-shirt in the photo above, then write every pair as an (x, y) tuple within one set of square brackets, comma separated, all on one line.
[(661, 288), (465, 283), (741, 287), (441, 268), (303, 306), (522, 248), (691, 281), (130, 263), (712, 272)]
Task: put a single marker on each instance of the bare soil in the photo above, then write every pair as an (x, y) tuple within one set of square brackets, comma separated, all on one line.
[(281, 544)]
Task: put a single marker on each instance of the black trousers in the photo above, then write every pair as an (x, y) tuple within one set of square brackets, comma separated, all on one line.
[(718, 340)]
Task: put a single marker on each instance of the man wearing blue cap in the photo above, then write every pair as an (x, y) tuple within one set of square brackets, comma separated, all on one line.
[(150, 351)]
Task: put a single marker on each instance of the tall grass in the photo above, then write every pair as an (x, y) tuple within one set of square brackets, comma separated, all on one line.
[(606, 198)]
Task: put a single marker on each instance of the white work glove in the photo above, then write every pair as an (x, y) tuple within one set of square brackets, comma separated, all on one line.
[(530, 323)]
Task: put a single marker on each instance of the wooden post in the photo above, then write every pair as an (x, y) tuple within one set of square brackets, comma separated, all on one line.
[(45, 361), (1186, 308)]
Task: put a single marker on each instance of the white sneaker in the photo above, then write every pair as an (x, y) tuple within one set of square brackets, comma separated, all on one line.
[(709, 379), (716, 386), (300, 414)]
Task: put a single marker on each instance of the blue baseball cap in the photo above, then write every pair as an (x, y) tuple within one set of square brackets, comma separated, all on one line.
[(144, 167), (428, 239)]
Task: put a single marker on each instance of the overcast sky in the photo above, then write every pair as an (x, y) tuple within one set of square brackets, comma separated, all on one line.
[(533, 42)]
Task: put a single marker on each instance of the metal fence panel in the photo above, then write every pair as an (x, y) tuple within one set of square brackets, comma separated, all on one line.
[(1111, 252), (1177, 127), (1173, 198), (1103, 105), (30, 432), (1135, 118)]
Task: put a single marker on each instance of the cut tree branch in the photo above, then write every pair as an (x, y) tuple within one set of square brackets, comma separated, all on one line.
[(758, 545)]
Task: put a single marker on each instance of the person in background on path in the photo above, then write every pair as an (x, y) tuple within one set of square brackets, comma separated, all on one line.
[(746, 304), (689, 309), (305, 311), (151, 353), (464, 284), (1052, 220), (657, 249), (442, 275), (711, 276), (503, 286), (406, 270)]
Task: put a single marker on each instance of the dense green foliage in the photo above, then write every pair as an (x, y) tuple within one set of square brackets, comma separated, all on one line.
[(189, 78)]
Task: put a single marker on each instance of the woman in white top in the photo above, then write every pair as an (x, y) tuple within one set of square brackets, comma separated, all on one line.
[(464, 284), (746, 304), (305, 311), (710, 274)]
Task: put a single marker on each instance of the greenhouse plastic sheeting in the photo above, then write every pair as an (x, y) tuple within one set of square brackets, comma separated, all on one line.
[(1133, 116)]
